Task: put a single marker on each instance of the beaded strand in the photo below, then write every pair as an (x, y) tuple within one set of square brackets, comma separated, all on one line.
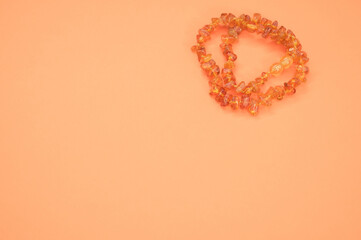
[(223, 85)]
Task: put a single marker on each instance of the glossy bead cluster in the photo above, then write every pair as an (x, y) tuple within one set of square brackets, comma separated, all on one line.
[(223, 85)]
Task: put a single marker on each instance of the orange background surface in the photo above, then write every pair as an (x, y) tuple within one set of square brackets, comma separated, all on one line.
[(107, 130)]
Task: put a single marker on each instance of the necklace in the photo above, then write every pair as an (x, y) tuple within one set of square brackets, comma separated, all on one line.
[(223, 85)]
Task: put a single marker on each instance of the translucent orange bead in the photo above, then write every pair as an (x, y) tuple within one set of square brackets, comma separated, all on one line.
[(226, 99), (254, 86), (234, 102), (231, 56), (247, 90), (227, 39), (259, 81), (253, 104), (194, 48), (203, 32), (265, 76), (215, 22), (214, 71), (271, 93), (301, 68), (294, 82), (206, 58), (229, 81), (280, 92), (251, 27), (265, 100), (226, 71), (240, 87), (201, 39), (286, 62), (229, 64), (235, 31), (256, 18), (266, 31), (289, 90), (223, 18), (221, 93), (214, 89), (260, 28), (229, 18), (216, 80), (251, 87), (244, 101), (276, 69), (206, 65)]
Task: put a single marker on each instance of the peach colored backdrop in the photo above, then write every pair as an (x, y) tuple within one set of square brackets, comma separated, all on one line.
[(107, 130)]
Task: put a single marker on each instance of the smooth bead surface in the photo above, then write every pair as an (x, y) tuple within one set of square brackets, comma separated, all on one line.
[(276, 69)]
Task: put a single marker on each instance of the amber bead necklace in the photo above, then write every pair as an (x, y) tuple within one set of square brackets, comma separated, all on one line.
[(223, 85)]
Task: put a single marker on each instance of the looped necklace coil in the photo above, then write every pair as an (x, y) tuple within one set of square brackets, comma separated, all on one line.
[(223, 85)]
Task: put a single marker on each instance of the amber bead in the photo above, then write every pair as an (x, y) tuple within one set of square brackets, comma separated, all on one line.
[(234, 31), (265, 99), (223, 18), (289, 32), (229, 81), (259, 81), (206, 58), (245, 18), (304, 60), (274, 34), (226, 99), (289, 90), (230, 17), (286, 62), (214, 71), (201, 51), (206, 65), (276, 69), (201, 38), (194, 48), (228, 39), (216, 80), (229, 64), (271, 92), (245, 101), (247, 90), (302, 68), (234, 102), (221, 93), (203, 32), (226, 47), (260, 28), (301, 76), (251, 27), (253, 104), (265, 76), (215, 88), (254, 85), (266, 22), (216, 22), (240, 87), (226, 71), (266, 31), (256, 18), (280, 92), (231, 56), (294, 82)]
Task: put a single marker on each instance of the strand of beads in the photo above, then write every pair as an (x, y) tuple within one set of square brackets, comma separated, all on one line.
[(223, 85)]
